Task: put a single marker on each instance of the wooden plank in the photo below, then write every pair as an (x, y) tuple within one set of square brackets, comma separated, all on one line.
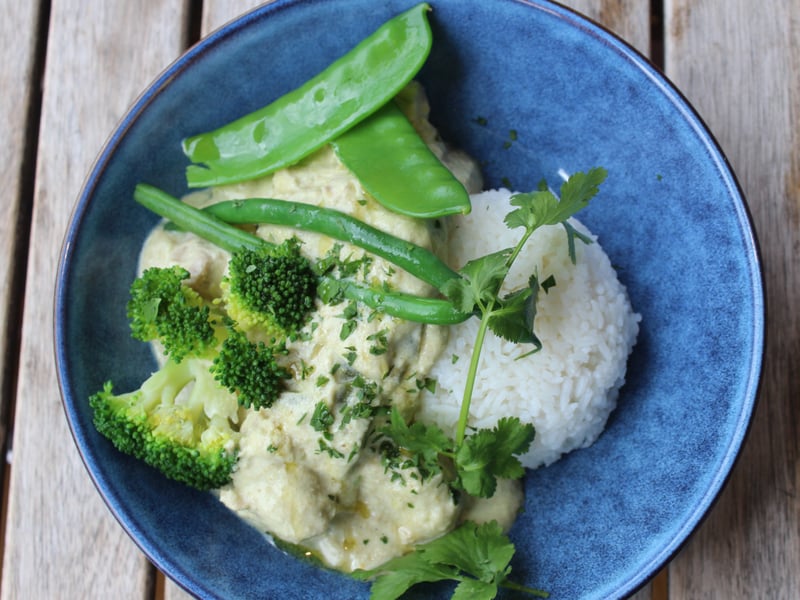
[(629, 19), (217, 13), (740, 66), (61, 541), (18, 51), (19, 42)]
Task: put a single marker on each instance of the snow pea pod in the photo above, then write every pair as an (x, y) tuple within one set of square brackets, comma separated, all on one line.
[(293, 126), (396, 167), (419, 261)]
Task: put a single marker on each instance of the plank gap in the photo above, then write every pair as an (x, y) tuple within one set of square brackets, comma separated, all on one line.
[(657, 33), (159, 584), (660, 585), (194, 22)]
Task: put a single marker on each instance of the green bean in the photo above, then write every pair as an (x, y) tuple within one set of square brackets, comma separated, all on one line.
[(200, 223), (231, 238), (397, 168), (432, 311), (418, 261), (293, 126)]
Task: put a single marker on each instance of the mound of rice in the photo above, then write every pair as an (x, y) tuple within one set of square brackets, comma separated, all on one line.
[(586, 325)]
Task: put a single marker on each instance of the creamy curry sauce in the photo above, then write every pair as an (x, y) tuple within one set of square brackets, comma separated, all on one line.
[(328, 491)]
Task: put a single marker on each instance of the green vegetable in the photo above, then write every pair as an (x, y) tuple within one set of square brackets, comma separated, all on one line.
[(292, 127), (489, 454), (228, 237), (476, 556), (180, 421), (419, 309), (396, 167), (271, 287), (189, 218), (250, 370), (161, 307), (474, 465), (420, 262)]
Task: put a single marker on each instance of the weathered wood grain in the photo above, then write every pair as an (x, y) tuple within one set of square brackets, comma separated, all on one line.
[(18, 52), (61, 541), (738, 62), (629, 19)]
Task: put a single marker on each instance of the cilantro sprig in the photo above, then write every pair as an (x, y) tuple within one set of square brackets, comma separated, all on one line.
[(511, 316), (473, 466), (478, 557)]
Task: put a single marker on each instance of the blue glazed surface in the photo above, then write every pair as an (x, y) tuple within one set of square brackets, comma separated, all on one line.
[(603, 520)]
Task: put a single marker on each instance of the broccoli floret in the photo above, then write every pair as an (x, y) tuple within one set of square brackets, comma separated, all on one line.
[(179, 421), (161, 307), (272, 288), (250, 370)]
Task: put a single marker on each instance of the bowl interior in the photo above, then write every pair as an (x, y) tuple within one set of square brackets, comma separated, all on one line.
[(671, 217)]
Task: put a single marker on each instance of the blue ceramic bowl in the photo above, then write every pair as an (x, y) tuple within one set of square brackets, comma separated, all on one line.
[(602, 521)]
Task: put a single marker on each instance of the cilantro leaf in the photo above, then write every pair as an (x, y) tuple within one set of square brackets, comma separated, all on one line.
[(535, 209), (477, 556), (480, 282), (491, 453), (423, 442), (472, 589), (395, 577), (578, 190), (483, 551), (513, 321), (543, 208)]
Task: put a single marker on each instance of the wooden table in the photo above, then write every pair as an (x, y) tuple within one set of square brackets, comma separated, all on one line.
[(69, 70)]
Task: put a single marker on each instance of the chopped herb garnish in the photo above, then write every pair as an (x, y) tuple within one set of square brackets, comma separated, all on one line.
[(305, 370), (381, 344), (353, 453), (322, 418), (429, 383), (348, 327), (325, 448), (351, 355)]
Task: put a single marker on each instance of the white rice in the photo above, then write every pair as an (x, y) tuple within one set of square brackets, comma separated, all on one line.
[(585, 323)]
